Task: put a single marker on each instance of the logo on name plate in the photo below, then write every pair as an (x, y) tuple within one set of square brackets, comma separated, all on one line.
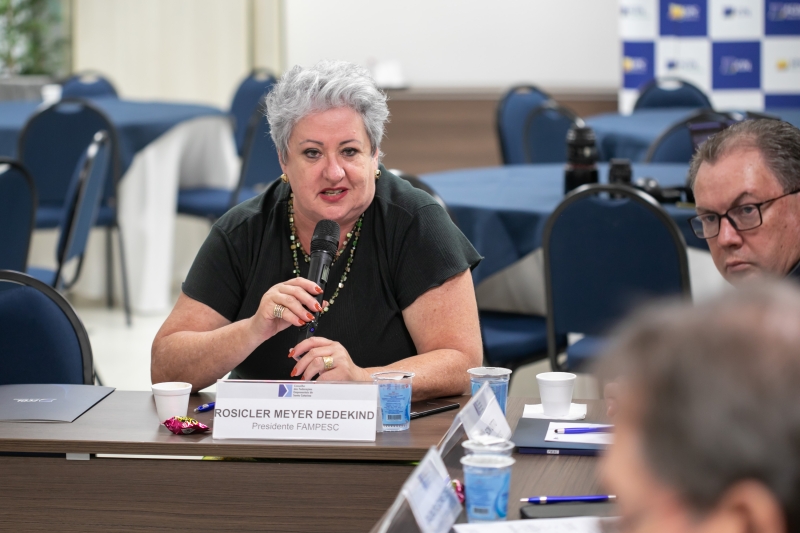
[(285, 391), (684, 12), (34, 400)]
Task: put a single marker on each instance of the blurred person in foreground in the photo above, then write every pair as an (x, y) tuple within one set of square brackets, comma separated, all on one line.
[(399, 294), (707, 433), (745, 181)]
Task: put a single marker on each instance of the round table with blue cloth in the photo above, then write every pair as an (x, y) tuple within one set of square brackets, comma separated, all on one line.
[(138, 123), (503, 210), (630, 136)]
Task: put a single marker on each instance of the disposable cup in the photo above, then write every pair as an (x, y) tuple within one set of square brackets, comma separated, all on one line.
[(51, 93), (486, 482), (496, 377), (172, 399), (555, 389), (394, 389), (480, 448)]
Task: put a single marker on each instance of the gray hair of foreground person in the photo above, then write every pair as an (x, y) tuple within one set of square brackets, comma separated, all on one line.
[(714, 390), (776, 140), (326, 85)]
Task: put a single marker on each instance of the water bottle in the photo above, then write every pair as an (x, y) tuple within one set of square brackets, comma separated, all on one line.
[(581, 157)]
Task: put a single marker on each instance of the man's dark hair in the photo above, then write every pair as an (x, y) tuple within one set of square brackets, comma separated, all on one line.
[(778, 142), (715, 390)]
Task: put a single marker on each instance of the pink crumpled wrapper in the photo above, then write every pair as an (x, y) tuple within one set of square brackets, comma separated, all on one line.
[(183, 425)]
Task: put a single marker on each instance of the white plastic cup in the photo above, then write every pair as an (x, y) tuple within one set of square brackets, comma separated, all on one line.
[(555, 389), (172, 399), (473, 447)]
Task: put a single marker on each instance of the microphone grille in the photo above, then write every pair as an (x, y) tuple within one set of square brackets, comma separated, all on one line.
[(326, 237)]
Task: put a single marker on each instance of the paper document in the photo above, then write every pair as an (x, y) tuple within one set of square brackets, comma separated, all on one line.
[(577, 411), (583, 438), (584, 524)]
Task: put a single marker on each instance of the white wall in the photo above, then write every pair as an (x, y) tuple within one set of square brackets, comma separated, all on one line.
[(187, 50), (471, 43)]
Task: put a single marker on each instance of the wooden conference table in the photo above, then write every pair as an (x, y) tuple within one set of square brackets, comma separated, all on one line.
[(274, 486)]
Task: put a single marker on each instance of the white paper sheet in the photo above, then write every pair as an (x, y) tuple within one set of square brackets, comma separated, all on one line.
[(577, 411), (584, 524), (582, 438)]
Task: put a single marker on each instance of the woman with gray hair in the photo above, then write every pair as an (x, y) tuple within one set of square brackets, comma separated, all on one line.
[(399, 294)]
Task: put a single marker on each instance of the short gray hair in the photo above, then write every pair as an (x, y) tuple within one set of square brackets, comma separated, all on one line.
[(778, 142), (326, 85), (716, 392)]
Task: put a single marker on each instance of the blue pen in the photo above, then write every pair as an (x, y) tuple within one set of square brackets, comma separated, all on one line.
[(205, 407), (542, 500), (578, 431)]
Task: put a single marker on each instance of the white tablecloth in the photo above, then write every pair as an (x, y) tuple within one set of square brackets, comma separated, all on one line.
[(195, 153)]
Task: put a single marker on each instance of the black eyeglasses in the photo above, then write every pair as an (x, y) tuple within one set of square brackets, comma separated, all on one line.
[(742, 218)]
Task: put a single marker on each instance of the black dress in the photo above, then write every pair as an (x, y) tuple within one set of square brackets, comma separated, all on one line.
[(408, 245)]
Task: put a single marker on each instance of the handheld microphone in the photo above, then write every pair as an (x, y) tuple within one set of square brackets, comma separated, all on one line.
[(324, 245)]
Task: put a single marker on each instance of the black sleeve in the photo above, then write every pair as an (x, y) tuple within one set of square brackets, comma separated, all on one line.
[(431, 251), (217, 278)]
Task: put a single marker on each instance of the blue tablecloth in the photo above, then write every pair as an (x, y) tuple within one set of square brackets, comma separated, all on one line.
[(138, 123), (503, 210), (630, 136)]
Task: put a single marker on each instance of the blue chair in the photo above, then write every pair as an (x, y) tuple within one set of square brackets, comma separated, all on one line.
[(677, 145), (546, 133), (50, 145), (17, 214), (606, 249), (248, 99), (260, 165), (85, 192), (87, 85), (512, 112), (671, 92), (44, 341)]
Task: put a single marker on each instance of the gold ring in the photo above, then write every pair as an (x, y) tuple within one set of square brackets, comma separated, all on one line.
[(328, 362), (278, 311)]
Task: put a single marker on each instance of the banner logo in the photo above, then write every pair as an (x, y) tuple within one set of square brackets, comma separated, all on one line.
[(634, 65), (634, 11), (730, 12), (731, 65), (682, 64), (780, 11), (788, 64), (684, 12)]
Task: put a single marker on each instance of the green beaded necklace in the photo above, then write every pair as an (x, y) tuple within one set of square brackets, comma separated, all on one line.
[(295, 245)]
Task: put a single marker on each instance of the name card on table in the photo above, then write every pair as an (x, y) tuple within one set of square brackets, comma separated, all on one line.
[(481, 419), (291, 410)]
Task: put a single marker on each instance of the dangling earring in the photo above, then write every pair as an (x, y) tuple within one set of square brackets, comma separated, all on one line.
[(284, 178), (378, 174)]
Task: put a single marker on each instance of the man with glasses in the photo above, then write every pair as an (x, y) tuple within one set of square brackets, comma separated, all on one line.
[(745, 181)]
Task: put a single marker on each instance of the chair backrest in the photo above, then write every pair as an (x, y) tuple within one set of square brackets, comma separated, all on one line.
[(604, 253), (248, 99), (83, 199), (512, 112), (55, 138), (17, 214), (546, 133), (671, 92), (87, 85), (421, 185), (675, 145), (260, 163), (43, 340)]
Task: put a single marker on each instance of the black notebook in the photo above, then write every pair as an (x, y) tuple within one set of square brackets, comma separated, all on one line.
[(48, 403), (529, 438), (568, 510)]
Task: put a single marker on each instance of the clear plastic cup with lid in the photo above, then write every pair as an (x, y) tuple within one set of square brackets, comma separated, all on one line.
[(497, 378), (486, 482), (394, 390)]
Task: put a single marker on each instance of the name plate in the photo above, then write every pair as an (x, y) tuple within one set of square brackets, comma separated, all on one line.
[(291, 410)]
